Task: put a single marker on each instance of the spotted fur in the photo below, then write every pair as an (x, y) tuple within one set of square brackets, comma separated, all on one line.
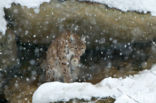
[(63, 57)]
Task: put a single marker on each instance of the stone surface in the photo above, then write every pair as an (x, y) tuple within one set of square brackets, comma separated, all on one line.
[(8, 56), (93, 100), (19, 91), (8, 50), (98, 23)]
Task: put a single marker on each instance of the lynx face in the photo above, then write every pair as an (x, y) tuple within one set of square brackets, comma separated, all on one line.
[(77, 45)]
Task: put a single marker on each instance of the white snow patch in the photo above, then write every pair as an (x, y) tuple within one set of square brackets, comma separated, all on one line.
[(7, 4), (130, 5), (140, 88)]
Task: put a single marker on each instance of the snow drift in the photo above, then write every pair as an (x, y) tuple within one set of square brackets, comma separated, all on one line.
[(139, 88)]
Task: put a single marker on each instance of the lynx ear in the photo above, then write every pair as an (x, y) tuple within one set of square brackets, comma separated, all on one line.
[(83, 38)]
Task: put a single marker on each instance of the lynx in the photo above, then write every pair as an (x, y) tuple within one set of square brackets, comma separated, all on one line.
[(63, 57)]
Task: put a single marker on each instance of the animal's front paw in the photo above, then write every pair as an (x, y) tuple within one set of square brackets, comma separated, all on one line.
[(75, 61)]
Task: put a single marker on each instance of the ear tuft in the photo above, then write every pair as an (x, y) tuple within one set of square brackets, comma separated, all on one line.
[(83, 38)]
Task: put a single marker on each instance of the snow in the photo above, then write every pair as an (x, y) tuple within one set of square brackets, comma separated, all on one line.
[(139, 88), (130, 5), (7, 3)]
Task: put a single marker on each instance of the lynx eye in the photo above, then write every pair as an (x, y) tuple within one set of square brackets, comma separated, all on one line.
[(63, 63)]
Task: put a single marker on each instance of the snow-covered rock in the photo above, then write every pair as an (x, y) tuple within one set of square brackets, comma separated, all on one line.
[(142, 6), (139, 88), (7, 4), (124, 5), (101, 25)]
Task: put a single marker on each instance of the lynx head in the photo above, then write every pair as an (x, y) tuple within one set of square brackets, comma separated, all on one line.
[(78, 45)]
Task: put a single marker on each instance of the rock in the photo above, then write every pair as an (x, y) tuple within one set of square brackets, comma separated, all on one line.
[(126, 35), (8, 50), (109, 62), (101, 25), (19, 91), (93, 100), (8, 56)]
